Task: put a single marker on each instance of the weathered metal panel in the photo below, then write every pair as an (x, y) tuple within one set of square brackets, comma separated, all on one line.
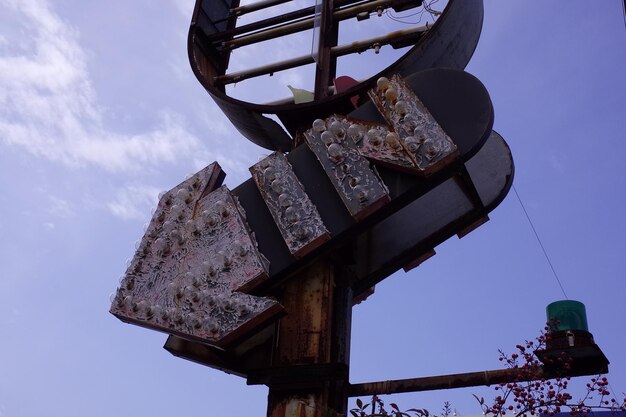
[(416, 129), (487, 176), (295, 215), (304, 335), (436, 216), (437, 213), (359, 186), (461, 105), (196, 255), (295, 405)]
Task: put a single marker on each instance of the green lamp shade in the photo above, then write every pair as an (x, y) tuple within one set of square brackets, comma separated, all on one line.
[(567, 315)]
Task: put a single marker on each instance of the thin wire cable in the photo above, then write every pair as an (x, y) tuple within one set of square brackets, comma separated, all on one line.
[(429, 8), (425, 10), (398, 19), (540, 244)]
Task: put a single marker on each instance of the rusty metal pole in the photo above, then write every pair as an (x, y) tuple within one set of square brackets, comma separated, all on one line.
[(593, 365), (328, 36), (312, 347)]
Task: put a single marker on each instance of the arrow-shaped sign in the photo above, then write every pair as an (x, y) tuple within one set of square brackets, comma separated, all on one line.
[(193, 264), (199, 274)]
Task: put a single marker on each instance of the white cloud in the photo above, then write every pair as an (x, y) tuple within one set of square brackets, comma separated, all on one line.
[(59, 207), (133, 202), (48, 106)]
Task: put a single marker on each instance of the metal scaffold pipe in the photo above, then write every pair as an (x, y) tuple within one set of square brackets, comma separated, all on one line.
[(253, 7), (305, 24), (393, 38)]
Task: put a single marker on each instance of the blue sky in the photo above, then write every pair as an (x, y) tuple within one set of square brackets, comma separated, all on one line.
[(99, 111)]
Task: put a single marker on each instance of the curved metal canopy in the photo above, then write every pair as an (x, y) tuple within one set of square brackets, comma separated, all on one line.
[(450, 43)]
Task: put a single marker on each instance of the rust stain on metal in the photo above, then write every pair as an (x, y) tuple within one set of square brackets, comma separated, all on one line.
[(417, 130), (359, 186), (469, 229), (304, 334), (195, 258), (363, 296), (417, 262), (295, 215), (296, 406), (470, 379)]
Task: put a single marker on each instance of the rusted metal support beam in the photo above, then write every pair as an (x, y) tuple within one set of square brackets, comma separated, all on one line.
[(328, 38), (292, 25), (269, 22), (270, 69), (269, 34), (396, 39), (315, 333), (337, 51), (470, 379), (429, 383), (261, 24), (421, 259)]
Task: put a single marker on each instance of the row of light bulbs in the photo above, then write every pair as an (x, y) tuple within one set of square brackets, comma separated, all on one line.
[(418, 130), (290, 206)]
